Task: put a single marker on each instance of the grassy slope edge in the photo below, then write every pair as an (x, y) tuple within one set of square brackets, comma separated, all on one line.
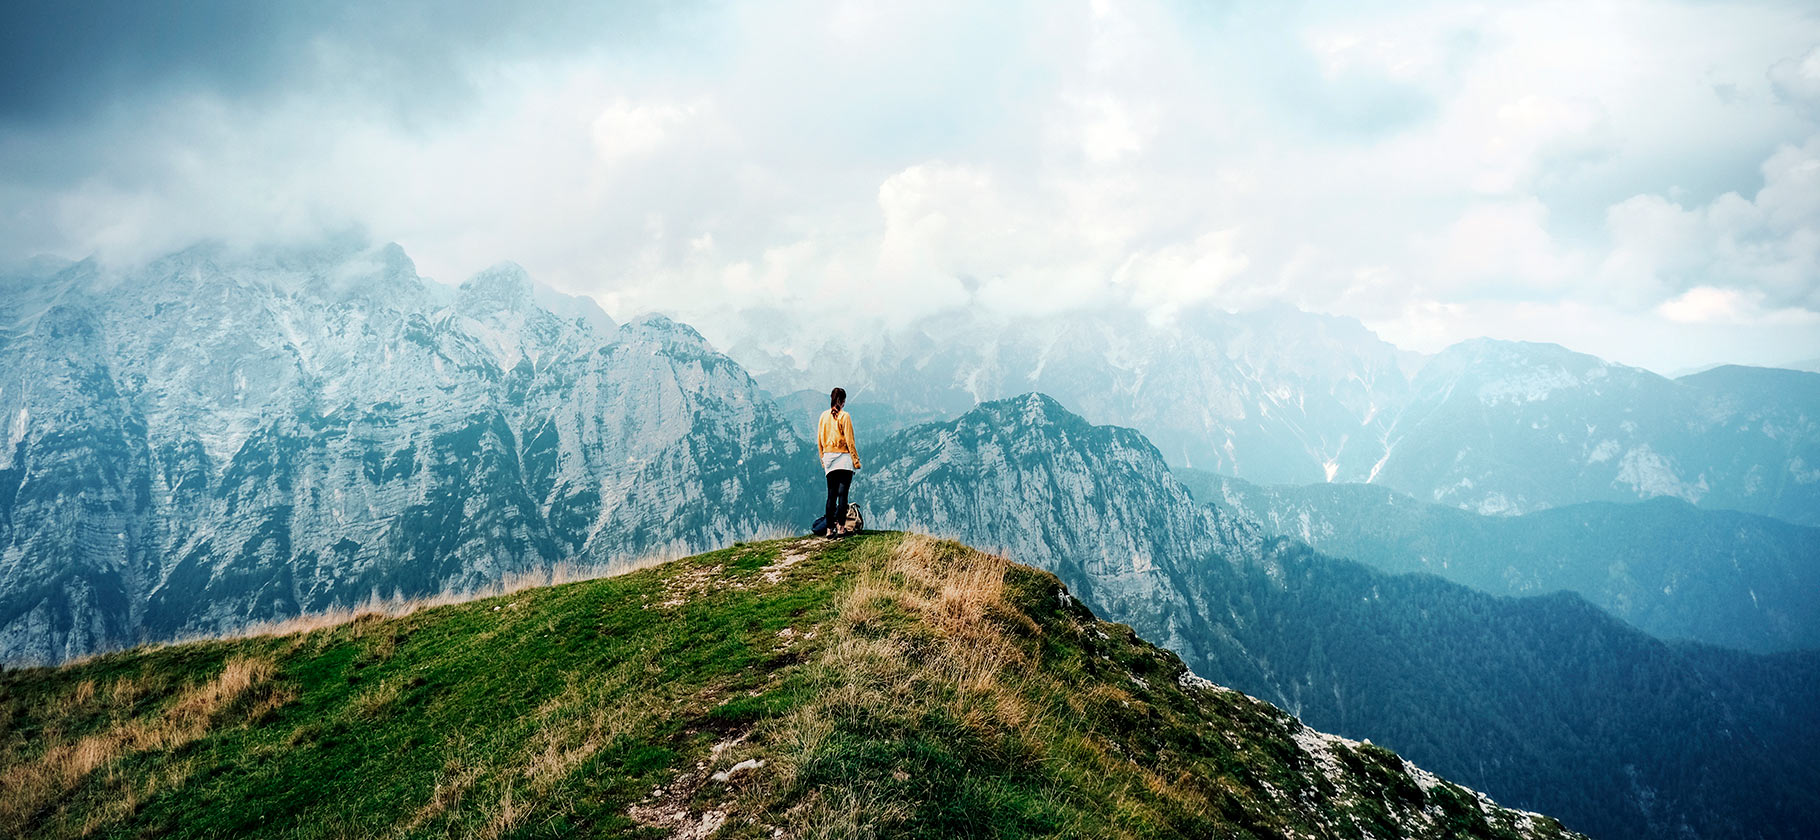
[(883, 685)]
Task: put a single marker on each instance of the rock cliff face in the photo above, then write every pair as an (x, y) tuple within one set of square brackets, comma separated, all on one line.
[(1546, 703), (1095, 504), (218, 439)]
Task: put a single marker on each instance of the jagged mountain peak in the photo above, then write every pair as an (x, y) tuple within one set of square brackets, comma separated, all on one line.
[(657, 327), (1755, 377), (1491, 357), (1497, 371), (1283, 393), (1034, 408), (302, 255), (396, 262), (273, 440), (334, 269), (502, 287), (1036, 413)]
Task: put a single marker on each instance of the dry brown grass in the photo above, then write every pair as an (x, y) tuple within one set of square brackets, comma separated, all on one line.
[(452, 785), (374, 702), (961, 592), (849, 814), (376, 607), (573, 726), (125, 692), (965, 655), (506, 815), (128, 796), (970, 664), (33, 784)]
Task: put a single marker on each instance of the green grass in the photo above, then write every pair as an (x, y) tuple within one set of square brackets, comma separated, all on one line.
[(893, 686)]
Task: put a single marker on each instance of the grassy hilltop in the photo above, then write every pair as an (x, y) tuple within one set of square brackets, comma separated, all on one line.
[(885, 685)]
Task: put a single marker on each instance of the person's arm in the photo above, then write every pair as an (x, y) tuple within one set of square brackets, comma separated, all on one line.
[(852, 438)]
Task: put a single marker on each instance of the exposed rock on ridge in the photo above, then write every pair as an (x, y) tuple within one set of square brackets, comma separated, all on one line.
[(219, 439)]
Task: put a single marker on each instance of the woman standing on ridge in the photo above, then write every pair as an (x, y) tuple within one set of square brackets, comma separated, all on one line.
[(840, 457)]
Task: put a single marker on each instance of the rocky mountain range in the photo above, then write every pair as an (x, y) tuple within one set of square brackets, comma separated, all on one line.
[(1278, 393), (218, 439), (1287, 397), (222, 438)]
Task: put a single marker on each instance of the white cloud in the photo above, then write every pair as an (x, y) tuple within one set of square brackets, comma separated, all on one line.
[(1797, 81), (1710, 305), (1501, 249), (1768, 246), (1109, 131), (1164, 281), (1439, 170), (626, 130)]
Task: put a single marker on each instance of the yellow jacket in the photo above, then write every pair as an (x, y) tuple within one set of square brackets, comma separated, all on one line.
[(835, 434)]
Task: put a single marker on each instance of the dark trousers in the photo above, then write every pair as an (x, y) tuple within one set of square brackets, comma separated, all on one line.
[(838, 482)]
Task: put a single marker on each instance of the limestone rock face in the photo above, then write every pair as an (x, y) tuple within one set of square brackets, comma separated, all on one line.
[(222, 438), (1096, 505)]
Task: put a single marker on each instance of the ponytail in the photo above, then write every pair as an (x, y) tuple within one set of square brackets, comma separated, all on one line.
[(837, 398)]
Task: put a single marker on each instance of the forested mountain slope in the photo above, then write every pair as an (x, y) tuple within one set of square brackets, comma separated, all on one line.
[(1668, 567)]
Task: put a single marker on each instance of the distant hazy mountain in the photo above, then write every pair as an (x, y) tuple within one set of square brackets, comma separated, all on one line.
[(215, 439), (1672, 569), (873, 421), (1278, 393), (1286, 397), (1547, 703), (1500, 427)]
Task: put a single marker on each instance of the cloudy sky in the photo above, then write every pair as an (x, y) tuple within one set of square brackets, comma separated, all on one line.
[(1639, 180)]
